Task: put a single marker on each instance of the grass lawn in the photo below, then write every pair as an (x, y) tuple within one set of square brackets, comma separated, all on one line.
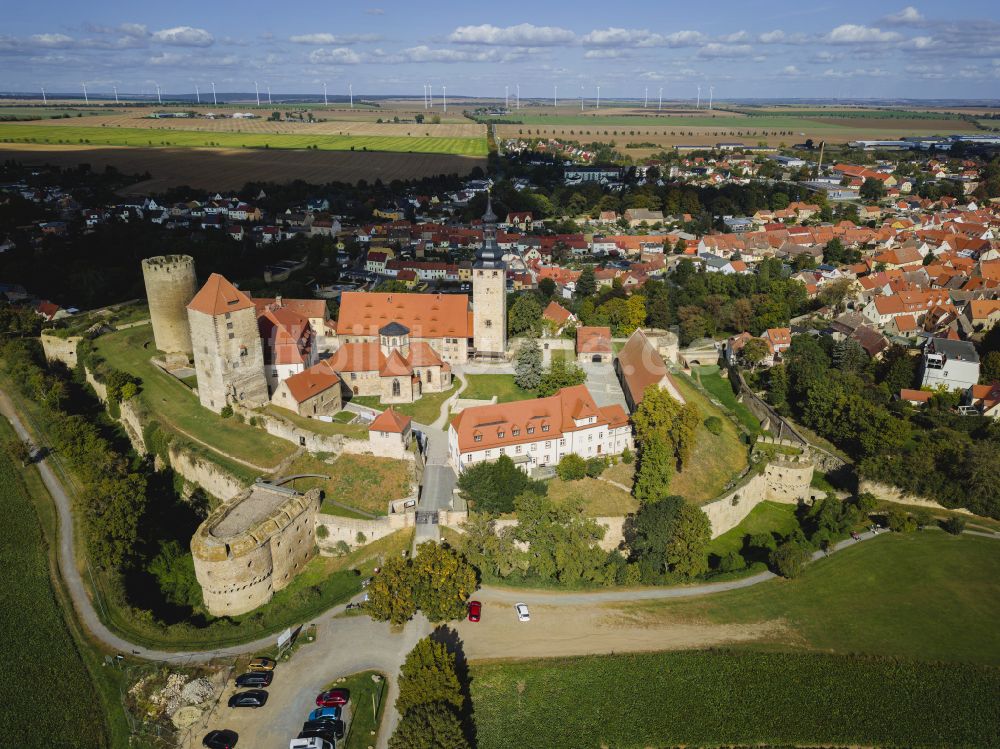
[(711, 379), (424, 411), (764, 518), (40, 652), (339, 424), (602, 499), (364, 482), (622, 473), (484, 387), (366, 704), (920, 595), (715, 459), (734, 698), (174, 406), (153, 138)]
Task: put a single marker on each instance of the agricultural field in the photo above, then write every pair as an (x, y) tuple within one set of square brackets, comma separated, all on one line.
[(230, 169), (43, 113), (39, 652), (712, 698)]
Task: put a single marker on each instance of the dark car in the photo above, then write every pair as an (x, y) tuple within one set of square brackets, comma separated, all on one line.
[(332, 698), (223, 739), (253, 698), (336, 727), (475, 611), (255, 679), (327, 733)]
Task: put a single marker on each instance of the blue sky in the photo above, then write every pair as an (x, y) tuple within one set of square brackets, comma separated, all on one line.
[(843, 49)]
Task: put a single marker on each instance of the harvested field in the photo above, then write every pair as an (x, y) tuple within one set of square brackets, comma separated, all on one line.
[(230, 169)]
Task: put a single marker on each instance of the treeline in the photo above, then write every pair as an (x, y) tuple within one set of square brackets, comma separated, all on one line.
[(836, 390)]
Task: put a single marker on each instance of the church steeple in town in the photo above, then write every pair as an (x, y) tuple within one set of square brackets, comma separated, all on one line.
[(489, 255)]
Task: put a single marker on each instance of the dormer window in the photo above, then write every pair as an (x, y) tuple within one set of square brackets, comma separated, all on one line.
[(514, 432), (478, 438), (545, 427), (531, 430), (500, 435)]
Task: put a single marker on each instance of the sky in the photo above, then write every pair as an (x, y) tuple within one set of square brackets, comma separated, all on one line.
[(835, 50)]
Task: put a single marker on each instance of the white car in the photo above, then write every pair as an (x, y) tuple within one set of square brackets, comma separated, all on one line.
[(522, 612)]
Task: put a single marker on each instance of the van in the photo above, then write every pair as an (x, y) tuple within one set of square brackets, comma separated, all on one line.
[(311, 743)]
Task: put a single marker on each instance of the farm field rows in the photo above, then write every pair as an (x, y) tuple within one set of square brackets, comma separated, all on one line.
[(147, 137), (230, 169)]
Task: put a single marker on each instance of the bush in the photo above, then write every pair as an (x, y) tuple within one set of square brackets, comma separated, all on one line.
[(789, 559), (361, 538), (226, 411), (322, 532), (732, 562), (954, 525), (866, 503), (572, 468), (714, 425), (900, 521), (596, 466), (341, 547), (628, 457)]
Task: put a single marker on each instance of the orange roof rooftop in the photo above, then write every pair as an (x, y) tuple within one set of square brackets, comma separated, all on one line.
[(219, 296)]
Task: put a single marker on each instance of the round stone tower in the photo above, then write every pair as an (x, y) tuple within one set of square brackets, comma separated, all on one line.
[(170, 284)]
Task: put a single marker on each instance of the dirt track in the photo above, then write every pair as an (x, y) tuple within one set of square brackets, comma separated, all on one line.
[(228, 169)]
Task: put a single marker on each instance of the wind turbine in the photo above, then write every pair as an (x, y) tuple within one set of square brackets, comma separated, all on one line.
[(325, 102), (116, 92), (215, 101), (645, 101), (44, 100), (444, 98), (85, 97), (350, 90), (158, 99), (581, 97), (598, 98), (517, 94), (698, 105), (256, 91), (555, 95), (711, 93), (659, 104), (268, 94), (197, 93), (506, 97)]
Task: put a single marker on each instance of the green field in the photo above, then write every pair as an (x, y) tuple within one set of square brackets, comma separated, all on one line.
[(766, 517), (923, 595), (40, 654), (172, 404), (724, 698), (151, 137), (711, 379), (484, 387), (43, 113)]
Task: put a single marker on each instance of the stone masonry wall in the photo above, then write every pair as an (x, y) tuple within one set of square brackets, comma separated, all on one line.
[(212, 479), (347, 529), (894, 494), (61, 349)]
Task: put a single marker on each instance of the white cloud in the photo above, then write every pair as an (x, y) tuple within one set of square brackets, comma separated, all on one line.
[(771, 37), (335, 56), (615, 36), (850, 33), (907, 16), (738, 36), (790, 70), (725, 50), (133, 29), (859, 73), (920, 43), (324, 38), (523, 35), (184, 36), (603, 54), (51, 40)]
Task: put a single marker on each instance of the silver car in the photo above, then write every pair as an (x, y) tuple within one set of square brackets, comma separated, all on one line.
[(522, 612)]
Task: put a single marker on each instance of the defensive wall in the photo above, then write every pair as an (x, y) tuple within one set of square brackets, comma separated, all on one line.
[(252, 546), (60, 349), (894, 494)]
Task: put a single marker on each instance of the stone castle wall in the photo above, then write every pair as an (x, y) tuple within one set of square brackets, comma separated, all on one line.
[(894, 494), (204, 473), (60, 349), (170, 284), (347, 529), (229, 359)]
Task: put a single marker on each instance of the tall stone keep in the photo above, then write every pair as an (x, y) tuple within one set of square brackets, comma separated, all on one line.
[(489, 293), (170, 284), (228, 357)]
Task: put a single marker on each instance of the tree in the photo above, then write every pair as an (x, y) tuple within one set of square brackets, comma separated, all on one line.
[(428, 676), (754, 352), (789, 559), (390, 593), (114, 506), (834, 293), (872, 189), (432, 726), (547, 287), (525, 316), (492, 487), (989, 370), (18, 450), (561, 374), (586, 284), (562, 542), (528, 367), (489, 549), (649, 532), (954, 525), (443, 581), (687, 549), (656, 467), (572, 467), (173, 568)]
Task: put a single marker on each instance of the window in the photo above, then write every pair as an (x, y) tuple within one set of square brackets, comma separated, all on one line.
[(395, 388), (518, 449), (354, 375), (489, 323), (545, 427), (515, 431), (531, 430), (503, 450), (548, 444), (500, 435), (489, 453), (590, 438), (232, 336), (228, 315), (478, 438), (229, 326), (468, 457), (534, 447), (562, 442)]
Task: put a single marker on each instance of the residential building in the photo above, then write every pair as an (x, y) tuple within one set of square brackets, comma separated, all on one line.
[(949, 363), (593, 344)]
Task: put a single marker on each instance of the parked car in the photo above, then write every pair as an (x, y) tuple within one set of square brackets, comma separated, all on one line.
[(255, 679), (522, 612), (325, 713), (326, 734), (261, 664), (310, 743), (222, 739), (332, 698), (475, 611), (253, 698), (336, 727)]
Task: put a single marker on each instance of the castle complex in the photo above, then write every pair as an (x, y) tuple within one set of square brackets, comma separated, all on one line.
[(394, 346)]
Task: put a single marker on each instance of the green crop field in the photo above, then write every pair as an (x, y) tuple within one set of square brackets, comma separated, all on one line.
[(39, 654), (151, 137), (724, 698)]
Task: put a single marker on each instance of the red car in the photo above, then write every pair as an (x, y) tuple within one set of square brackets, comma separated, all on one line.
[(332, 698), (475, 610)]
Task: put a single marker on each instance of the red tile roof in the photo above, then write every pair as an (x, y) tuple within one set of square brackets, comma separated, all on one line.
[(593, 340), (390, 421), (311, 382), (426, 315), (219, 296)]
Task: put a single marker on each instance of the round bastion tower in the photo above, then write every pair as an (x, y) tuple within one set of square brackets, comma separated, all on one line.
[(170, 284)]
